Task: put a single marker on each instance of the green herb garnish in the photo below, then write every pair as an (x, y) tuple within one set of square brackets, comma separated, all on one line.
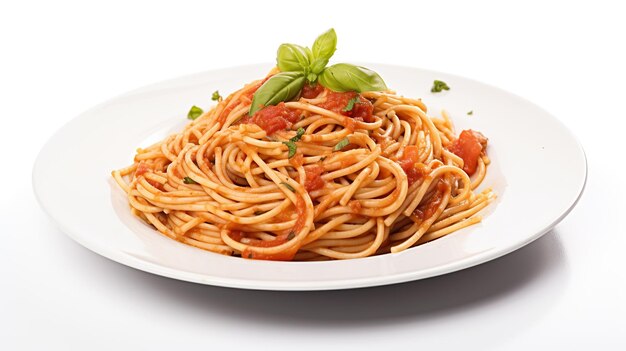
[(216, 96), (194, 112), (188, 180), (291, 235), (288, 186), (300, 64), (470, 113), (292, 148), (438, 86), (291, 144), (350, 105), (341, 144)]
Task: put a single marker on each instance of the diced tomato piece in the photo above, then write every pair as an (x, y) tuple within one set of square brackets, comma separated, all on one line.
[(274, 118), (313, 179), (409, 162), (361, 110), (469, 145), (427, 209), (311, 91), (297, 160)]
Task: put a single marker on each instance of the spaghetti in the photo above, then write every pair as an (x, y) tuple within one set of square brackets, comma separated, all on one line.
[(327, 175)]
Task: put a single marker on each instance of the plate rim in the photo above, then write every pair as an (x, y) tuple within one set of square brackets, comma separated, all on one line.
[(277, 285)]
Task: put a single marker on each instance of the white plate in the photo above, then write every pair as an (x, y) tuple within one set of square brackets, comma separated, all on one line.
[(538, 172)]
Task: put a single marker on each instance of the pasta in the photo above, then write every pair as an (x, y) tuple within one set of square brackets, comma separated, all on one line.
[(325, 175)]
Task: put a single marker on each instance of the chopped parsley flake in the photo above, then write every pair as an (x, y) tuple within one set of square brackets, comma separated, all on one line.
[(439, 86), (288, 186), (350, 105), (216, 96), (194, 112), (341, 144), (188, 180)]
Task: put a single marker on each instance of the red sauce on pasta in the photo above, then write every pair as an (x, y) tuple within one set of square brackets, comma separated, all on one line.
[(468, 146), (288, 254), (428, 209), (311, 91), (313, 179), (338, 102), (409, 162), (274, 118)]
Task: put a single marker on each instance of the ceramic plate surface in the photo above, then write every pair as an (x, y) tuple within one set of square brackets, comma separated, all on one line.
[(538, 172)]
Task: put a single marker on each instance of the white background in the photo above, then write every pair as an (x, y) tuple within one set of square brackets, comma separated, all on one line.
[(565, 290)]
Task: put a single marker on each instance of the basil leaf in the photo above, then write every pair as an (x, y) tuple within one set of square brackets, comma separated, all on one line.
[(291, 144), (323, 49), (346, 77), (283, 86), (292, 148), (216, 96), (341, 144), (439, 86), (299, 134), (309, 54), (350, 105), (292, 57), (327, 79), (194, 112), (288, 186), (188, 180)]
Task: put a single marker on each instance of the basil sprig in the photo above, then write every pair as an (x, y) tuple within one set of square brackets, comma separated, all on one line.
[(300, 64), (347, 77), (323, 49), (292, 57), (283, 86), (291, 144), (194, 112)]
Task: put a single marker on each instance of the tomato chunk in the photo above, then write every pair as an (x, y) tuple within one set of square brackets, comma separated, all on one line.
[(274, 118), (427, 209), (313, 179), (311, 91), (409, 162), (469, 145), (338, 102)]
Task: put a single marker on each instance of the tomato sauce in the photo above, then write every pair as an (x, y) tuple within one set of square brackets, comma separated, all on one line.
[(361, 110), (313, 180), (413, 169), (355, 206), (468, 146), (428, 209), (297, 160), (286, 255), (274, 118), (311, 91), (143, 168)]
